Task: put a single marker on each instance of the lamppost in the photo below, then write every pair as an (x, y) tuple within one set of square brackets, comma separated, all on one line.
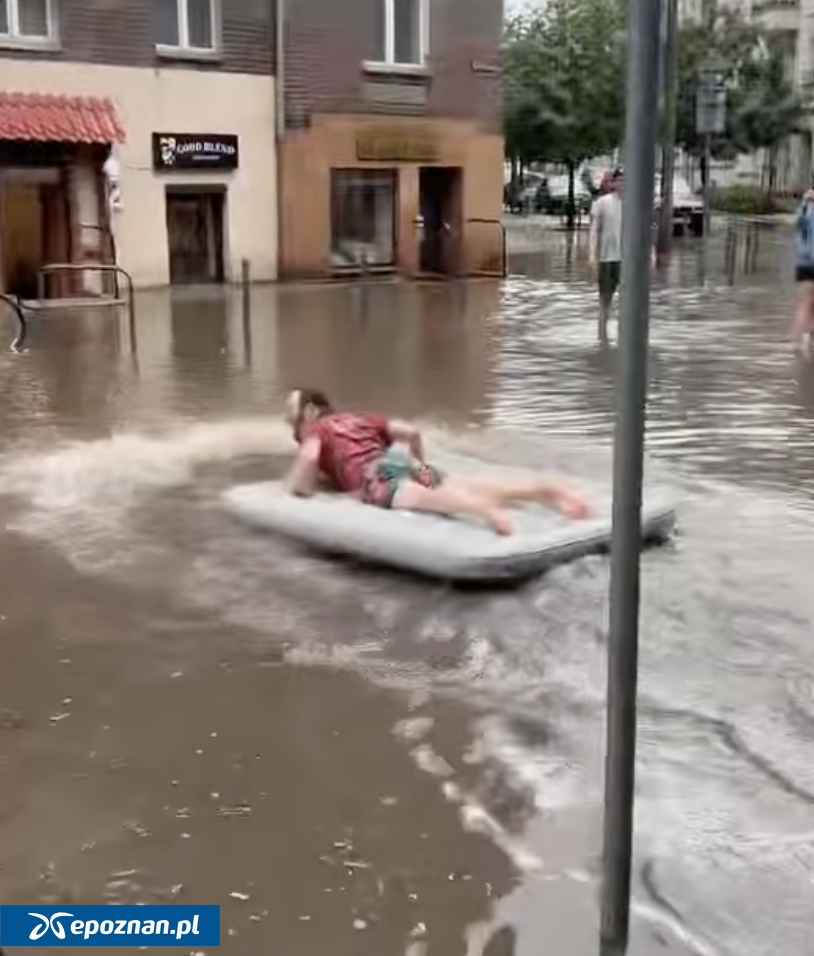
[(710, 120), (669, 84)]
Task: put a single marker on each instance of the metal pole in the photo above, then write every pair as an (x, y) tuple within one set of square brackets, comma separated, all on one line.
[(665, 234), (245, 281), (707, 182), (279, 10), (643, 28)]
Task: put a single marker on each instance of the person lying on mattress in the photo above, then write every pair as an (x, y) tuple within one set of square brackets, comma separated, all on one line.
[(381, 461)]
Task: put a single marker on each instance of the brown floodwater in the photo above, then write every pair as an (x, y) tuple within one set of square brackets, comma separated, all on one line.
[(351, 761)]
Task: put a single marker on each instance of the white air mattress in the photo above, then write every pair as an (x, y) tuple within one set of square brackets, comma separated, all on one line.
[(453, 549)]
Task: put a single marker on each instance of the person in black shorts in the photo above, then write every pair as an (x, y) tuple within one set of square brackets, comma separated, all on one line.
[(802, 332), (605, 245)]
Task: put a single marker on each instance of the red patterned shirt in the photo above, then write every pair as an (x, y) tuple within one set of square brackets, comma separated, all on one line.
[(349, 442)]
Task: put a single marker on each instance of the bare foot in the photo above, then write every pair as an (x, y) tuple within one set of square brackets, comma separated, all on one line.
[(500, 522), (573, 507)]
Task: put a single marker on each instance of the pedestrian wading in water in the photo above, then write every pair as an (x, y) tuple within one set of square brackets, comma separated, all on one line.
[(605, 245), (802, 332)]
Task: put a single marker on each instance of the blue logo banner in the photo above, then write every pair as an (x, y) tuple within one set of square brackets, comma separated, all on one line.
[(109, 925)]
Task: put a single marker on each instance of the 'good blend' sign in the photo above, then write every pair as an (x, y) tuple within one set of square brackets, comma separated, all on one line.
[(194, 151)]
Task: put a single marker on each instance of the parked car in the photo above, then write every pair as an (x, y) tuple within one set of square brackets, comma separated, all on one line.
[(552, 196), (688, 208), (520, 196)]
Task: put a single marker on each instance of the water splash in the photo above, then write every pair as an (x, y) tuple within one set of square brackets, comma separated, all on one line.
[(79, 495)]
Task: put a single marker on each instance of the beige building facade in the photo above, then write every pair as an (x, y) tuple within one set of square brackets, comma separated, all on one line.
[(186, 192), (435, 188)]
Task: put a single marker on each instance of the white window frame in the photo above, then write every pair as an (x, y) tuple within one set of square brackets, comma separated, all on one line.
[(183, 47), (17, 39), (389, 64)]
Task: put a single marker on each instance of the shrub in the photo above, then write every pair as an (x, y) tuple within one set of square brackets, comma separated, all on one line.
[(753, 201)]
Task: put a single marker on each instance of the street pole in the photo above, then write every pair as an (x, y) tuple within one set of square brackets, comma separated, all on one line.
[(670, 76), (707, 189), (643, 29)]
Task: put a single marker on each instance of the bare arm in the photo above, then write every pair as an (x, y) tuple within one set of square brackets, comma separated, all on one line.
[(410, 435), (595, 235), (303, 477)]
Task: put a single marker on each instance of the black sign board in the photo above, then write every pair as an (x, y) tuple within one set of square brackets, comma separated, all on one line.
[(194, 151)]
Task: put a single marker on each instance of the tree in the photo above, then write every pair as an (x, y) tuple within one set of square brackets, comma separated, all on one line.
[(528, 131), (766, 109), (762, 107), (730, 42), (564, 84)]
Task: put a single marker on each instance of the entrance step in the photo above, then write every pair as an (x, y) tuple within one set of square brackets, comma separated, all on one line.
[(74, 302)]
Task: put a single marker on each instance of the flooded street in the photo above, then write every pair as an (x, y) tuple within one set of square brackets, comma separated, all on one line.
[(354, 762)]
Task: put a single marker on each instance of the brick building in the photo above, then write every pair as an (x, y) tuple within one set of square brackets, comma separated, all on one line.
[(392, 142), (161, 132), (144, 124)]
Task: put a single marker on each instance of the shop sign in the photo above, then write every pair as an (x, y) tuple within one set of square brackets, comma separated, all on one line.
[(382, 145), (194, 151)]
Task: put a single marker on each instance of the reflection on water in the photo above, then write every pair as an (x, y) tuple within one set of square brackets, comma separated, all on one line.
[(114, 444), (407, 350)]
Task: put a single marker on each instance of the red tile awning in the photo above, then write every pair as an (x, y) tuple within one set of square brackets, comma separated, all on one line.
[(58, 119)]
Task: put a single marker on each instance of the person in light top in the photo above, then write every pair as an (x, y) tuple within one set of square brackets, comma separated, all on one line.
[(605, 244)]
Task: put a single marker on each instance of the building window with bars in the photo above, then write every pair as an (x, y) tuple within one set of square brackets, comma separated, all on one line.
[(401, 34), (27, 21), (187, 26)]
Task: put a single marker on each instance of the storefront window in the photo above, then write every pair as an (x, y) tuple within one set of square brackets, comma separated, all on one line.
[(363, 217)]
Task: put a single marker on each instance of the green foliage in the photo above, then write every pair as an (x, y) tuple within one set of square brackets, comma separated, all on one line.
[(563, 81), (767, 109), (763, 109), (752, 201)]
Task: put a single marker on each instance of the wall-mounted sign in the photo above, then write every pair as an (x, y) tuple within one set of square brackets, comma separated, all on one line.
[(400, 145), (194, 151), (113, 177)]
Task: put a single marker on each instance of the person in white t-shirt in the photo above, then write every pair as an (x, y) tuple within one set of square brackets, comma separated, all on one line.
[(605, 245)]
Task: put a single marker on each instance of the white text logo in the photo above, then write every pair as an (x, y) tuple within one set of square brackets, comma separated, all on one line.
[(48, 924)]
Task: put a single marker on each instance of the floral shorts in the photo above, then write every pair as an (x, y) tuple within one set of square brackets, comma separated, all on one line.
[(385, 475)]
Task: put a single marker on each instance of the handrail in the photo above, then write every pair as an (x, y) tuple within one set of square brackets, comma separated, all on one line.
[(22, 327), (504, 267), (86, 267)]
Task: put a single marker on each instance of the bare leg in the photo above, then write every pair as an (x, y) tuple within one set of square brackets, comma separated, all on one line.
[(803, 313), (808, 334), (506, 491), (605, 303), (453, 498)]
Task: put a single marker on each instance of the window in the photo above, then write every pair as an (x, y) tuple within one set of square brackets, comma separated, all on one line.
[(363, 217), (28, 21), (402, 29), (187, 26)]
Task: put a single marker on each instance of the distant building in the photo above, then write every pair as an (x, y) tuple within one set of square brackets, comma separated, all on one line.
[(147, 132), (791, 22), (392, 157), (148, 124)]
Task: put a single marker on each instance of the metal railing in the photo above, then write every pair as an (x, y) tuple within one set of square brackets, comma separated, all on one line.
[(504, 267), (104, 268), (22, 328)]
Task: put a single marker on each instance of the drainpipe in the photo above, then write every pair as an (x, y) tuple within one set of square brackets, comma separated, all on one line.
[(279, 117)]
